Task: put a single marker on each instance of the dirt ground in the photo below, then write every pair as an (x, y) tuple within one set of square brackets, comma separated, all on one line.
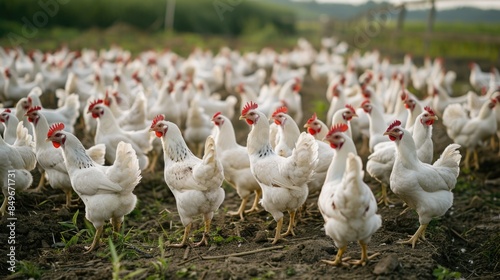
[(465, 240)]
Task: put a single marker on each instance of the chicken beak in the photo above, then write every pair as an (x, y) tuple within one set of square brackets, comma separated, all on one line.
[(306, 125), (151, 129), (241, 117), (47, 140), (387, 133), (435, 118)]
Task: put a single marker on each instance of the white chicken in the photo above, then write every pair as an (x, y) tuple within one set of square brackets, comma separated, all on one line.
[(236, 164), (352, 215), (106, 191), (10, 121), (198, 127), (316, 127), (288, 132), (469, 132), (381, 161), (110, 134), (16, 164), (423, 187), (283, 180), (195, 183), (51, 159)]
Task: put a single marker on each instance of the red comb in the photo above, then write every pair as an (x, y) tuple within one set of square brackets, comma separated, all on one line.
[(367, 101), (249, 106), (282, 109), (394, 124), (54, 128), (158, 118), (313, 118), (428, 109), (340, 127), (32, 109), (216, 114), (348, 106), (7, 111), (95, 102)]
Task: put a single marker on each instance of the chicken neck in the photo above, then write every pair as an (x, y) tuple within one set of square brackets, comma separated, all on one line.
[(407, 151), (258, 138)]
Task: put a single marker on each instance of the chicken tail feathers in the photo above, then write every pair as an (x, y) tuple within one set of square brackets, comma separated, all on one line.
[(97, 153), (210, 155), (305, 157), (125, 170), (450, 158), (23, 139)]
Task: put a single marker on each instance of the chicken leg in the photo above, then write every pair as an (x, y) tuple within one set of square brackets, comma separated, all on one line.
[(364, 255), (68, 204), (187, 229), (467, 159), (204, 239), (117, 224), (384, 196), (241, 210), (291, 224), (41, 183), (255, 202), (338, 258), (476, 160), (95, 242), (419, 234), (152, 162), (277, 235)]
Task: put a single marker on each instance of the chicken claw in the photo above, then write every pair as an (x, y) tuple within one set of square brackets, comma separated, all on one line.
[(339, 261), (95, 243), (384, 198), (364, 256), (420, 234)]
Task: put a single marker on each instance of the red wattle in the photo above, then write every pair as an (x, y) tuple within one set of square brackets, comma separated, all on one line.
[(250, 122), (56, 144), (158, 134), (392, 138), (311, 131)]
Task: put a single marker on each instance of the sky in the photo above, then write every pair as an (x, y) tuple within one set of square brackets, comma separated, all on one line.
[(445, 4)]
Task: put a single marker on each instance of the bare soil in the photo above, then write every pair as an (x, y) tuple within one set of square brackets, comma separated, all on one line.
[(465, 240)]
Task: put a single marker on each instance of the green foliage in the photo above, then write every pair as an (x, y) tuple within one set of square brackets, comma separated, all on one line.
[(199, 16), (187, 272), (28, 270), (118, 270), (443, 273), (72, 234)]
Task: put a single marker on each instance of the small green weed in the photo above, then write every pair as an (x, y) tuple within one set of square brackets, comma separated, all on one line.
[(443, 273)]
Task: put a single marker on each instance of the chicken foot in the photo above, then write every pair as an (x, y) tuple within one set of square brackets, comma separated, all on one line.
[(187, 229), (41, 184), (467, 159), (95, 242), (241, 210), (384, 198), (204, 239), (338, 261), (255, 202), (364, 255), (291, 224), (419, 234), (277, 235)]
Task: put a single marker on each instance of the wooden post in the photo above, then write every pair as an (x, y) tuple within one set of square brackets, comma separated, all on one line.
[(169, 15), (401, 18), (430, 25)]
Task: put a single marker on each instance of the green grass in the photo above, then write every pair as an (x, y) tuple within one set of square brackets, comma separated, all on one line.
[(468, 41)]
